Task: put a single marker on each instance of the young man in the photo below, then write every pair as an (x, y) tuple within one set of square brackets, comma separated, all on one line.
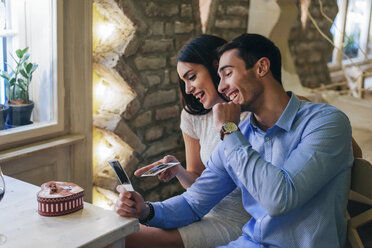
[(292, 159)]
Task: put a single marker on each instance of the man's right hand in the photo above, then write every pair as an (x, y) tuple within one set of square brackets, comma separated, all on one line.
[(131, 204)]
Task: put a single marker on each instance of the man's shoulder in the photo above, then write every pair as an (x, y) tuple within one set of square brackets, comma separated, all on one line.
[(319, 109), (323, 112)]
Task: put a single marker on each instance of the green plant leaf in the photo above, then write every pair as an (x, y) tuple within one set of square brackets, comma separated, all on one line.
[(19, 53), (29, 67), (23, 73), (23, 60), (5, 75), (34, 67), (25, 50), (12, 81)]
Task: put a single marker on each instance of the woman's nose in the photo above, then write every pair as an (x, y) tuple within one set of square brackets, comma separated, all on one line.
[(189, 89)]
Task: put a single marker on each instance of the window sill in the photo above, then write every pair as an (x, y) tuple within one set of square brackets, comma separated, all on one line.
[(22, 151)]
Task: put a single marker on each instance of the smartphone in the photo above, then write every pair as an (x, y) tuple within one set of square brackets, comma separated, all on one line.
[(157, 169), (121, 174)]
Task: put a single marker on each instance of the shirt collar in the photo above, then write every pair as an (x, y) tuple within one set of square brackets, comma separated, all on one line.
[(286, 119)]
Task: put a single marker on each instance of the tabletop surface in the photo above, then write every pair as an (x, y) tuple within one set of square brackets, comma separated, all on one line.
[(24, 227)]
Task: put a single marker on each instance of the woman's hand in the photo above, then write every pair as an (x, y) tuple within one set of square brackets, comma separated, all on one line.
[(166, 175)]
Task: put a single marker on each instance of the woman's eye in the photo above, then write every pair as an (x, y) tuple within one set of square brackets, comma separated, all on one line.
[(228, 74), (192, 77)]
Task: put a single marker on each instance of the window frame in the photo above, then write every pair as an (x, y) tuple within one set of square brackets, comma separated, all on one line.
[(56, 124), (337, 62)]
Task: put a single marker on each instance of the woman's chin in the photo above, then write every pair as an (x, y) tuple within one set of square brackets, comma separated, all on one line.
[(207, 105)]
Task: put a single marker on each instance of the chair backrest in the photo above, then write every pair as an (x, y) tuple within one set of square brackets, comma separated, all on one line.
[(361, 179)]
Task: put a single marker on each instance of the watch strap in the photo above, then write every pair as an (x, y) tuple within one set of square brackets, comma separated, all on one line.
[(151, 214)]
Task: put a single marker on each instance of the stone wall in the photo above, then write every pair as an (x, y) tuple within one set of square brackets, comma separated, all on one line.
[(311, 52), (228, 18)]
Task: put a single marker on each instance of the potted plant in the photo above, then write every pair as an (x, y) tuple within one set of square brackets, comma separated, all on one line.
[(3, 113), (17, 89)]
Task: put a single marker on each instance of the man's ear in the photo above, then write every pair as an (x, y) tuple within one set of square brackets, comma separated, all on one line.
[(263, 66)]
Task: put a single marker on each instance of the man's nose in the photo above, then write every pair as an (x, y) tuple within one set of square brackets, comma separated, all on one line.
[(222, 86)]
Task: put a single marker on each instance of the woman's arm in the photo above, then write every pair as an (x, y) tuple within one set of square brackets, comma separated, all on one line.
[(194, 165)]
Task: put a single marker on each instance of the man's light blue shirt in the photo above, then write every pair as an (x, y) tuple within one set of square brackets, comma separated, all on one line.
[(294, 179)]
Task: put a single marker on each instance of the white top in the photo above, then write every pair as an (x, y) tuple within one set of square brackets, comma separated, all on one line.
[(201, 127)]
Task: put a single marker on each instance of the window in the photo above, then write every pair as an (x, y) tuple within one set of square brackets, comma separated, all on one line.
[(33, 24), (352, 32)]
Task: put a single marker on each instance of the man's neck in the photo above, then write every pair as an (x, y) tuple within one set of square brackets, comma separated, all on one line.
[(273, 103)]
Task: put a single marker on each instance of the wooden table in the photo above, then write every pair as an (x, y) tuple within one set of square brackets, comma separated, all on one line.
[(89, 227)]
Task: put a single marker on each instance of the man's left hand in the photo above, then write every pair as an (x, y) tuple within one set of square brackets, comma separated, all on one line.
[(225, 112)]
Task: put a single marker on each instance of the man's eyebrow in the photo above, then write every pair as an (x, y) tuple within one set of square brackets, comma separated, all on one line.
[(184, 75), (224, 67)]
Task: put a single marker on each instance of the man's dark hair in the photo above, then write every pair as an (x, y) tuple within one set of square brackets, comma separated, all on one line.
[(200, 50), (251, 48)]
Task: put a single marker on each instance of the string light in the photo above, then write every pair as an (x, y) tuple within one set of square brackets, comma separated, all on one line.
[(104, 30)]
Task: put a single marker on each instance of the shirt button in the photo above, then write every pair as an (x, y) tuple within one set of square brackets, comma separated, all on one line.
[(225, 152), (238, 173), (259, 220), (267, 138)]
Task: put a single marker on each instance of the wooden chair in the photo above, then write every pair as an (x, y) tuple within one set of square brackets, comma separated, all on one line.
[(355, 77), (361, 191)]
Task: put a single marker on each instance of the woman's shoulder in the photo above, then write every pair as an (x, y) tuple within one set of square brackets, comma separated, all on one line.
[(195, 118)]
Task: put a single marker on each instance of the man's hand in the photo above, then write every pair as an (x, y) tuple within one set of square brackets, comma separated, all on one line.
[(224, 112), (131, 204), (166, 175)]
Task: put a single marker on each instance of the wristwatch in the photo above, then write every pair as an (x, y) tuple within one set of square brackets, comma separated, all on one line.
[(228, 128)]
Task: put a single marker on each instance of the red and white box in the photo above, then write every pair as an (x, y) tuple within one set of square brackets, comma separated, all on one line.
[(59, 198)]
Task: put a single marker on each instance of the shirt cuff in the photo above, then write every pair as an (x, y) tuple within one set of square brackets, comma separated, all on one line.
[(158, 218), (233, 142)]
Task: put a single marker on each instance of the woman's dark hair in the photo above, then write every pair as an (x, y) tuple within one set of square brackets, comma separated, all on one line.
[(200, 50)]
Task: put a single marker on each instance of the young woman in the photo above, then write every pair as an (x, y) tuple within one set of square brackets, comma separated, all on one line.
[(197, 68)]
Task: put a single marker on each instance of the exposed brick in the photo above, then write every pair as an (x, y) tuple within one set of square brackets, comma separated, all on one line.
[(186, 10), (237, 10), (153, 9), (160, 97), (154, 133), (146, 63), (167, 112), (132, 109), (153, 80), (174, 77), (153, 45), (230, 23), (143, 119), (160, 147), (169, 28), (166, 77), (157, 28), (183, 27), (128, 136)]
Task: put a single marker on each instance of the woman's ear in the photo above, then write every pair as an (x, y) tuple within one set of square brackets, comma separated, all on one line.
[(263, 66)]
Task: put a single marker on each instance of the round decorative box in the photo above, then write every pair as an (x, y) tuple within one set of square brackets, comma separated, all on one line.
[(59, 198)]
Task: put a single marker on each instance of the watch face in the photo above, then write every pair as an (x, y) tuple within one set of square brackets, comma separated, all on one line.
[(230, 127)]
